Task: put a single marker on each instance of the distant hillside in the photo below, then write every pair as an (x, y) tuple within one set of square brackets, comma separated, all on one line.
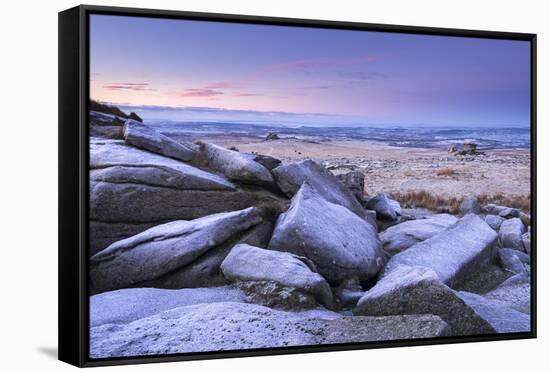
[(111, 109)]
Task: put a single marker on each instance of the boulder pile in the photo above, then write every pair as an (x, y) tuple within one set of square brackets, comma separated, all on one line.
[(195, 247)]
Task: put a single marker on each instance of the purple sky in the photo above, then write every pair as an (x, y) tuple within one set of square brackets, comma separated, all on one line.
[(355, 76)]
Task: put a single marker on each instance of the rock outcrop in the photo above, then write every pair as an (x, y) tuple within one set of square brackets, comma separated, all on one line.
[(105, 125), (164, 248), (201, 248), (238, 326), (510, 234), (464, 149), (132, 190), (144, 137), (235, 166), (494, 221), (355, 182), (126, 305), (514, 292), (341, 247), (247, 263), (385, 207), (453, 253), (291, 177), (417, 290), (469, 205), (514, 261), (267, 161), (526, 239), (501, 317), (404, 235)]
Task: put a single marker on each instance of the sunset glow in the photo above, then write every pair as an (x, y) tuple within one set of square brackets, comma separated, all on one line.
[(373, 77)]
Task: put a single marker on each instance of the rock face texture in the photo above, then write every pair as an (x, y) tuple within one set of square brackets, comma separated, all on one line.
[(514, 292), (510, 234), (453, 253), (230, 325), (132, 190), (127, 305), (105, 125), (416, 290), (470, 205), (501, 317), (514, 261), (402, 236), (494, 221), (341, 247), (355, 182), (164, 248), (205, 271), (236, 166), (385, 207), (249, 263), (526, 239), (291, 177), (144, 137), (265, 160)]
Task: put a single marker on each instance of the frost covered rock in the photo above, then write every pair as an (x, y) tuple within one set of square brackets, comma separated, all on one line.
[(342, 246), (164, 248), (404, 235), (205, 271), (515, 292), (291, 177), (385, 207), (509, 212), (514, 260), (526, 239), (237, 326), (469, 205), (494, 221), (236, 166), (267, 161), (367, 328), (144, 137), (416, 290), (355, 182), (510, 234), (127, 305), (105, 125), (132, 190), (502, 211), (249, 263), (455, 252), (498, 314)]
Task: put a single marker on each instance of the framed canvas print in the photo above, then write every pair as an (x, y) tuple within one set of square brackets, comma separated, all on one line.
[(236, 186)]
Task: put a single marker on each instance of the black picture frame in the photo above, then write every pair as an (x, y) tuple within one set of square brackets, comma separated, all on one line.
[(73, 181)]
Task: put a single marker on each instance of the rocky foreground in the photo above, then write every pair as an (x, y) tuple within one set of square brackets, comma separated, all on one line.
[(195, 247)]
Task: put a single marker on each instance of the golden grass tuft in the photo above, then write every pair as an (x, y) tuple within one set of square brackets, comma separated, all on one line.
[(522, 202), (446, 171), (451, 205)]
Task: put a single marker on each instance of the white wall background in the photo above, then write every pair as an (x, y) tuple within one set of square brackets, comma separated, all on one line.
[(28, 185)]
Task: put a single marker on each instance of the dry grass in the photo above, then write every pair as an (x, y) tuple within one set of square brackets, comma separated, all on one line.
[(446, 171), (450, 205), (522, 202), (428, 200)]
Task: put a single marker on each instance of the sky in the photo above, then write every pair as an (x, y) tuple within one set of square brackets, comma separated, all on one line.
[(326, 75)]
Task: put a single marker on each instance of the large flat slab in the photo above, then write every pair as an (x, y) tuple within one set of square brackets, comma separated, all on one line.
[(455, 252)]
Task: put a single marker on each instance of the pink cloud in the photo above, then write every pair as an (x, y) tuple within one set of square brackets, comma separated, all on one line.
[(200, 92), (222, 84), (129, 86), (248, 94), (277, 68)]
